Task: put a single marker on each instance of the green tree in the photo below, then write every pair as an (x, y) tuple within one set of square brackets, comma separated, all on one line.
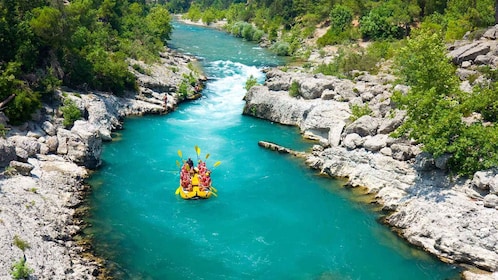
[(341, 17), (380, 24), (47, 24), (159, 23), (435, 107)]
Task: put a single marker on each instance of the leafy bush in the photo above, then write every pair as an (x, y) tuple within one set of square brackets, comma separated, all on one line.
[(3, 130), (281, 48), (25, 102), (71, 112), (245, 30), (251, 81), (21, 244), (183, 89), (358, 111), (294, 89), (349, 60), (20, 270)]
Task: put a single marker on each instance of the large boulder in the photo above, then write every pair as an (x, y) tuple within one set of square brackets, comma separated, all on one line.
[(29, 144), (363, 126), (326, 120), (491, 33), (276, 106), (7, 152), (23, 168), (85, 145), (389, 124), (313, 88), (469, 52), (375, 143)]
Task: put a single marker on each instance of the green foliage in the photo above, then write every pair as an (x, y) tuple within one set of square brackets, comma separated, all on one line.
[(341, 18), (435, 107), (183, 89), (380, 24), (245, 30), (20, 270), (281, 48), (358, 111), (294, 89), (333, 36), (349, 60), (70, 112), (483, 100), (21, 244), (251, 81), (47, 24), (85, 43), (3, 130), (194, 12), (25, 101)]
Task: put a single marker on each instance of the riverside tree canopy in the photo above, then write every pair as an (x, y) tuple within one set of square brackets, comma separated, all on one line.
[(81, 44)]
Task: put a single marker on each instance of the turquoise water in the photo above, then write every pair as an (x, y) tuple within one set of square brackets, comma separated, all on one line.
[(273, 217)]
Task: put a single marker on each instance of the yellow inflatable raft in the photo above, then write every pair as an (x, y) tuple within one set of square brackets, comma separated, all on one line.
[(196, 192)]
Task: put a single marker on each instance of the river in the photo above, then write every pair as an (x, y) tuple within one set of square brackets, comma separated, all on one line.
[(273, 217)]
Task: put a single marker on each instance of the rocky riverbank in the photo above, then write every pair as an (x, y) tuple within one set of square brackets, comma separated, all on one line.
[(455, 219), (46, 163)]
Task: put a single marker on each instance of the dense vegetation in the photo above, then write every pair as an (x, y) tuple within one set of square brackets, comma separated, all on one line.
[(83, 44), (444, 118), (289, 22)]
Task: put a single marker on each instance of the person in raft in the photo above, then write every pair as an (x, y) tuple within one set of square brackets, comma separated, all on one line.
[(190, 163), (204, 176), (185, 178)]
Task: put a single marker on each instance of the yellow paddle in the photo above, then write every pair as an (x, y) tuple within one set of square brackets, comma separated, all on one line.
[(213, 193), (178, 190), (198, 151), (213, 189)]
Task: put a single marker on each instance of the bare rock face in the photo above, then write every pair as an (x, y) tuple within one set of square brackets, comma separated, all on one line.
[(38, 210), (85, 145)]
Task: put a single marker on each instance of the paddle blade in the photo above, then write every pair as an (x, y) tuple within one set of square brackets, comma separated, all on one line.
[(217, 163), (177, 163), (178, 191), (207, 155), (213, 189), (214, 194), (180, 153), (197, 150)]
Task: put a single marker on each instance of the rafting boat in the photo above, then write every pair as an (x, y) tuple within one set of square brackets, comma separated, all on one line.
[(196, 192), (195, 181)]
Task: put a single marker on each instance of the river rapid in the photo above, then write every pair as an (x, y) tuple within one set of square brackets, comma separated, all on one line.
[(273, 217)]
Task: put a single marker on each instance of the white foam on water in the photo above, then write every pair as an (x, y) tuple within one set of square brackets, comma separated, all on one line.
[(223, 102)]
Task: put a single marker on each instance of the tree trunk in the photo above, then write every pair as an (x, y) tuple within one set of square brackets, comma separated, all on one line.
[(8, 99)]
